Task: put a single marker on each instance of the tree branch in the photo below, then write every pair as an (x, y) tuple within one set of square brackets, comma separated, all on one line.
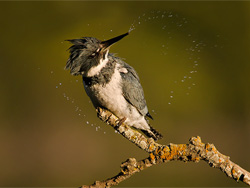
[(194, 151)]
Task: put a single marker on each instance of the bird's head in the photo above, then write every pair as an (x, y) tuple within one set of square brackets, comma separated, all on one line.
[(88, 52)]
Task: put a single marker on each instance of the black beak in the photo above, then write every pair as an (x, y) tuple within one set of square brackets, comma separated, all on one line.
[(107, 43)]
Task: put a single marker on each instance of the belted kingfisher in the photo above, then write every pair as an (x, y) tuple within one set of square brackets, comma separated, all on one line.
[(110, 82)]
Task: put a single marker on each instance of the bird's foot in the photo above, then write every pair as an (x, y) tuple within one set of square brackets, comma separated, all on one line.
[(120, 121)]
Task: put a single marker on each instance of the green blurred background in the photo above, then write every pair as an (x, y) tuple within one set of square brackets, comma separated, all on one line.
[(193, 61)]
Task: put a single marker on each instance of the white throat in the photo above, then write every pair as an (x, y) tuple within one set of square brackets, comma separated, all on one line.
[(96, 70)]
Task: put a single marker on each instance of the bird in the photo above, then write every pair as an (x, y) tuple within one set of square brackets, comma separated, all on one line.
[(110, 82)]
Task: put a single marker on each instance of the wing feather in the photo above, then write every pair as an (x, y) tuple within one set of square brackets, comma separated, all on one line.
[(132, 89)]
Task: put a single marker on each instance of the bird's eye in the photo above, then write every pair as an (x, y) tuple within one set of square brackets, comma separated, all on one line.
[(93, 55)]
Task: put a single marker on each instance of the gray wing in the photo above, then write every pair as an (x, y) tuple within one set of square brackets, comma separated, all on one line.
[(132, 89)]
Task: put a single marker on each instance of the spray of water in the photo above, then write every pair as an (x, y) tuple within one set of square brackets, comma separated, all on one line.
[(78, 110), (164, 19)]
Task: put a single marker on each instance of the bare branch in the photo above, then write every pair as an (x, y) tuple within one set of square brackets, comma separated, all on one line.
[(194, 151)]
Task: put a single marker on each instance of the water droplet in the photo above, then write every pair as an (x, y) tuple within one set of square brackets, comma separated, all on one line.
[(87, 122), (169, 103), (131, 28), (171, 91), (171, 96), (60, 84), (170, 15), (182, 80), (56, 86)]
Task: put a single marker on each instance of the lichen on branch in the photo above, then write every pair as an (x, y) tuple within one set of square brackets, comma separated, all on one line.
[(194, 151)]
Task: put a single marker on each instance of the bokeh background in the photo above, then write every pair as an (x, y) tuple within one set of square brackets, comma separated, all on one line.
[(193, 61)]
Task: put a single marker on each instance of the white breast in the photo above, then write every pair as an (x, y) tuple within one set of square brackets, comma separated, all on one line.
[(110, 96)]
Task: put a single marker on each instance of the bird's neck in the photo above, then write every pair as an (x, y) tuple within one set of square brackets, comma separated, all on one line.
[(102, 76), (93, 71)]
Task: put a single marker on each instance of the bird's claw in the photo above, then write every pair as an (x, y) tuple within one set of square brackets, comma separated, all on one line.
[(120, 121)]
